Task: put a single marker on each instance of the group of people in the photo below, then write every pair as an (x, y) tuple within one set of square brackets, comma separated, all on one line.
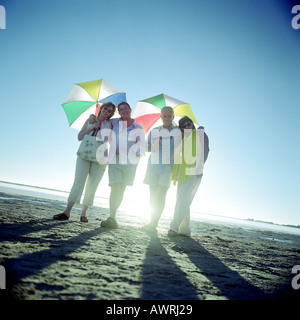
[(176, 154)]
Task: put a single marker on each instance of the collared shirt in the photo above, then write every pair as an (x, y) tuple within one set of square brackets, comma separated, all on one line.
[(127, 143), (161, 159)]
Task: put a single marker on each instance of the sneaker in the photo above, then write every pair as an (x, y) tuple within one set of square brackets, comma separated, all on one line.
[(172, 233), (109, 223)]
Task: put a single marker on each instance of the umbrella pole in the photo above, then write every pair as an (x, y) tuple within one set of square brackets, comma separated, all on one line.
[(97, 110)]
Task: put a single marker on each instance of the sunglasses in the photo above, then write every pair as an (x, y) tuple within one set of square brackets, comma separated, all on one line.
[(187, 124), (108, 109)]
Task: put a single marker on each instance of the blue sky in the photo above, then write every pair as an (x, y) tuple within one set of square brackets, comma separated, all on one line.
[(236, 62)]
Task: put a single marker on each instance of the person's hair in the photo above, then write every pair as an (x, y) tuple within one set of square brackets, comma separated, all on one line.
[(183, 120), (108, 104), (124, 102), (167, 108)]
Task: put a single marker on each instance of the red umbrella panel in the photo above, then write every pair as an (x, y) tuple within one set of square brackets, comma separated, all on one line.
[(148, 111)]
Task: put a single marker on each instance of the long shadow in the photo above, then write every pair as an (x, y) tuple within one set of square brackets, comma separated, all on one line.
[(13, 231), (31, 263), (161, 278), (230, 283)]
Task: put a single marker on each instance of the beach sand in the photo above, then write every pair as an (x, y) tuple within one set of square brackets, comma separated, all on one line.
[(48, 259)]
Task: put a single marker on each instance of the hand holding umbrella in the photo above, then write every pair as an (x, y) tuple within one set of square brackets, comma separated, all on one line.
[(86, 97)]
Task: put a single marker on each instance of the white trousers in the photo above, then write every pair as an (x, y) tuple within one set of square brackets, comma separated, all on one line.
[(185, 196), (86, 173)]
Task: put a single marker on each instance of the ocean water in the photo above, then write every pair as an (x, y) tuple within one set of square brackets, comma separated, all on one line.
[(249, 224), (45, 193), (52, 194)]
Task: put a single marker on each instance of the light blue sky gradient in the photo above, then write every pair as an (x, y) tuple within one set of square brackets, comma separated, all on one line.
[(236, 62)]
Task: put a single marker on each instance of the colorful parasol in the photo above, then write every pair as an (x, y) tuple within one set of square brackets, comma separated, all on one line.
[(86, 98), (147, 112)]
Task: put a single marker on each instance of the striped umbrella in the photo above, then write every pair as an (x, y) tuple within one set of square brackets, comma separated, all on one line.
[(86, 98), (147, 111)]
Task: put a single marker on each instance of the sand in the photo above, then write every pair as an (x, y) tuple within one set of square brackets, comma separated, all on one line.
[(70, 260)]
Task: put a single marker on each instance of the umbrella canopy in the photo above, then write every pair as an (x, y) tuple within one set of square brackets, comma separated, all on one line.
[(147, 112), (86, 98)]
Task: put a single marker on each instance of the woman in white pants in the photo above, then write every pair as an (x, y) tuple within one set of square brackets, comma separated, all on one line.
[(188, 172), (185, 196), (88, 173)]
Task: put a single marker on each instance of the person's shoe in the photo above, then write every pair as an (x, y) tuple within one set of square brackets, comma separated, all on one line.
[(109, 223), (61, 216), (149, 228), (184, 235), (172, 233), (84, 219)]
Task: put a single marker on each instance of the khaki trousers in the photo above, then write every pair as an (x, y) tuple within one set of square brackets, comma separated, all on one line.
[(88, 174)]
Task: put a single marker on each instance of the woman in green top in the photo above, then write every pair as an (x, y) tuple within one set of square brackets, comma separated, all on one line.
[(188, 171)]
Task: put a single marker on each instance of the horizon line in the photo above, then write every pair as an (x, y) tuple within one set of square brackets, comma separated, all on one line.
[(210, 214)]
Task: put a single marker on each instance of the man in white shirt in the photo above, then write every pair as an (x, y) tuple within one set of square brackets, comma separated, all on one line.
[(127, 146), (162, 141)]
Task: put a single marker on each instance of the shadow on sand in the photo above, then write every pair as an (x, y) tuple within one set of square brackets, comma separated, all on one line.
[(161, 272), (31, 263), (229, 282)]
